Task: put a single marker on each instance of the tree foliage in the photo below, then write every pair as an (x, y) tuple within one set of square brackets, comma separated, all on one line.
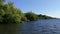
[(10, 14), (31, 16)]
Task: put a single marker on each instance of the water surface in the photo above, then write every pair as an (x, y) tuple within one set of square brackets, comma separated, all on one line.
[(51, 26)]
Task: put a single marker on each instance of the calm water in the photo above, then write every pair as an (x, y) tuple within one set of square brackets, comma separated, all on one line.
[(51, 26)]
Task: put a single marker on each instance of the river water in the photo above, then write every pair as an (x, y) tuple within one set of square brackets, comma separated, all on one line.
[(51, 26)]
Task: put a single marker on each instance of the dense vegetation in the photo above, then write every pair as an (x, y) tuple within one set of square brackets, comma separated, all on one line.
[(10, 14)]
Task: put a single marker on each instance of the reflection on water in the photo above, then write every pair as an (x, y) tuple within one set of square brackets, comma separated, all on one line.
[(33, 27), (9, 28)]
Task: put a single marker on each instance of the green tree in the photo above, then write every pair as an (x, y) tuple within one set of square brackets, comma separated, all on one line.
[(31, 16), (1, 15), (10, 14), (2, 2)]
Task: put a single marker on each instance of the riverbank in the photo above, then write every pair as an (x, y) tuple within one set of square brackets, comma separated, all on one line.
[(10, 14)]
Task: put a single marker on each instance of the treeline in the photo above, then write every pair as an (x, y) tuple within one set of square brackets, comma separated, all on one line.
[(10, 14)]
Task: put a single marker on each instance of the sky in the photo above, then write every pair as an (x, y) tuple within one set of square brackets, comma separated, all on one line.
[(45, 7)]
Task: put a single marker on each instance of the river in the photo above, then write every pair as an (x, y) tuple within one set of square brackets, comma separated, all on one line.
[(50, 26)]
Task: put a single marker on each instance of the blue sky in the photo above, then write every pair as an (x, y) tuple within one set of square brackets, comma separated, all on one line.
[(47, 7)]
